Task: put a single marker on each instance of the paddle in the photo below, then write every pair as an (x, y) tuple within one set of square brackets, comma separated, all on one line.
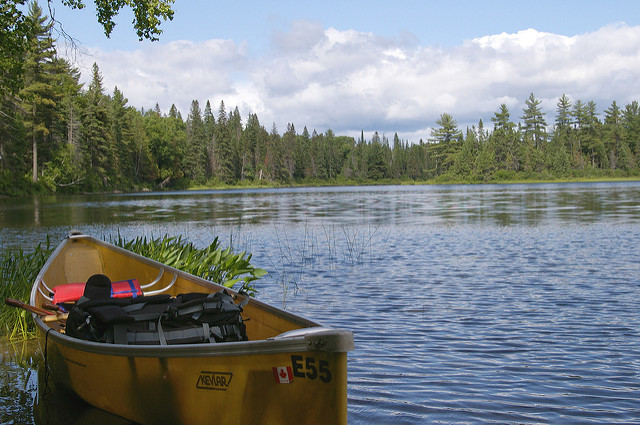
[(51, 306), (45, 315)]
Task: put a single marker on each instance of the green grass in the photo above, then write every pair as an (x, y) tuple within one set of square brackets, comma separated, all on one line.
[(19, 269)]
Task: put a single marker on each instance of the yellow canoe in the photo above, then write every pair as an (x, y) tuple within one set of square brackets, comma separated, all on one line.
[(290, 371)]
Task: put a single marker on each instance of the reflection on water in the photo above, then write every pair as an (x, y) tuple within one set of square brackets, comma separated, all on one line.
[(18, 383), (58, 405), (469, 304), (28, 396), (501, 205)]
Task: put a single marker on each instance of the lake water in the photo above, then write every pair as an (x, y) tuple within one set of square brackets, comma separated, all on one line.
[(469, 304)]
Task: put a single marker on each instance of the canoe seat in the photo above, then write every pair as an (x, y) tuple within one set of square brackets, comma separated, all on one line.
[(71, 292)]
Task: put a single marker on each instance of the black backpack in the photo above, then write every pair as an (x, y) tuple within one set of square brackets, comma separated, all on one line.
[(159, 320)]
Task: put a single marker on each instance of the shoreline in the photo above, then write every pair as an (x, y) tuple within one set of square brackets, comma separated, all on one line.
[(344, 183)]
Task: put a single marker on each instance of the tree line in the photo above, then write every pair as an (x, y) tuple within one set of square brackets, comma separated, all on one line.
[(58, 136)]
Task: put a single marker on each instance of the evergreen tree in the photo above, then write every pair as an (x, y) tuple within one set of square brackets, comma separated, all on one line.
[(195, 143), (417, 161), (463, 165), (485, 164), (174, 113), (448, 131), (289, 145), (96, 138), (448, 139), (316, 169), (377, 166), (613, 138), (398, 158), (274, 157), (209, 137), (235, 139), (631, 125), (167, 139), (253, 142), (143, 164), (222, 147), (534, 122), (122, 134), (505, 140), (501, 119), (303, 154), (563, 113), (40, 99)]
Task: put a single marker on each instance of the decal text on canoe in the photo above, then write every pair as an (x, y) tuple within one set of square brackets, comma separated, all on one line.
[(310, 368), (219, 381)]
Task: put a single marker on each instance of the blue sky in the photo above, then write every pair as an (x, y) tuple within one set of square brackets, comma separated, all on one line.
[(370, 65)]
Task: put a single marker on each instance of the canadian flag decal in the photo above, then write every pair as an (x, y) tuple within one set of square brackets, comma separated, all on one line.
[(283, 375)]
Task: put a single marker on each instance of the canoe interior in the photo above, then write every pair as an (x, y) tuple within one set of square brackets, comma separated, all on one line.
[(81, 257)]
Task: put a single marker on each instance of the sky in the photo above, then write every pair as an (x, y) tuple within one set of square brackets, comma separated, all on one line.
[(355, 65)]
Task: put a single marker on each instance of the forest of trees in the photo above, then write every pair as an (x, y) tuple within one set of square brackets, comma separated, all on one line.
[(58, 136)]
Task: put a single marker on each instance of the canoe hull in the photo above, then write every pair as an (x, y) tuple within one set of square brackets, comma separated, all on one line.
[(237, 389), (290, 371)]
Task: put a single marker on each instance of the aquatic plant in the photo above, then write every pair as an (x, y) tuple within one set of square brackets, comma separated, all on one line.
[(19, 269), (213, 263)]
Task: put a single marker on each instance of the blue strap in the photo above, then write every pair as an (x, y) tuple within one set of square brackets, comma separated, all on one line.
[(133, 291)]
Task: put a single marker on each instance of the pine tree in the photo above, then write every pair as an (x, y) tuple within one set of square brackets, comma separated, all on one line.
[(398, 158), (505, 140), (563, 113), (303, 154), (222, 147), (377, 167), (40, 99), (95, 134), (463, 165), (501, 119), (485, 164), (631, 125), (122, 134), (612, 132), (174, 113), (143, 164), (209, 122), (274, 156), (448, 131), (289, 145), (448, 139), (194, 159), (253, 143), (234, 132), (534, 122), (167, 138)]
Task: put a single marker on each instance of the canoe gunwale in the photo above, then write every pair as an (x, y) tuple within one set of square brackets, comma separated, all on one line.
[(334, 340)]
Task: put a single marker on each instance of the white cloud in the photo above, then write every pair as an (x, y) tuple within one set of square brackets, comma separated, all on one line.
[(351, 81)]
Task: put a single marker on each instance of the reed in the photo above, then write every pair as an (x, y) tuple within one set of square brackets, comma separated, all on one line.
[(19, 269)]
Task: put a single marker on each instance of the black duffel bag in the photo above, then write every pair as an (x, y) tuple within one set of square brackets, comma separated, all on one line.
[(159, 320)]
